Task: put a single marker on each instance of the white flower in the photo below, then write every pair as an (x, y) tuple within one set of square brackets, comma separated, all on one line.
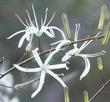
[(44, 68), (32, 28), (77, 51)]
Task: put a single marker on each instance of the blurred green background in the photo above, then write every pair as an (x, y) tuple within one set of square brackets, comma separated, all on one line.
[(85, 12)]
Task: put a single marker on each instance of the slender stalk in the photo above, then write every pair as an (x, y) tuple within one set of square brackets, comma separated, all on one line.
[(47, 51), (99, 91), (6, 86)]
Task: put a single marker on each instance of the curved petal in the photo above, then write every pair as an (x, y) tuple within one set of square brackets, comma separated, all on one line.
[(87, 66), (21, 41), (58, 66), (66, 57), (57, 78), (37, 57), (29, 70), (41, 83), (49, 34), (69, 54), (21, 31), (53, 27)]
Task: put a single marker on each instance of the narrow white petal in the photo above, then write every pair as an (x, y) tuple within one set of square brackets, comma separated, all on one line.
[(60, 41), (50, 19), (29, 70), (45, 16), (53, 27), (52, 32), (50, 57), (29, 17), (41, 83), (21, 41), (49, 34), (69, 54), (35, 17), (57, 78), (87, 66), (95, 55), (58, 66), (21, 20), (86, 43), (37, 57), (64, 42), (82, 46), (28, 36), (66, 57), (76, 34), (21, 31)]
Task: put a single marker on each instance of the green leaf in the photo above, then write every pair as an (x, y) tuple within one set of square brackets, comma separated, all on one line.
[(86, 97), (66, 95), (99, 63), (66, 25), (107, 34)]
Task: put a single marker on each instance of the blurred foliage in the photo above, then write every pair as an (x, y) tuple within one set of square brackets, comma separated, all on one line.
[(99, 63), (86, 96)]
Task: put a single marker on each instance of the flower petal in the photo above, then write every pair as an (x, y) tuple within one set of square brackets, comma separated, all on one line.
[(76, 34), (87, 66), (27, 69), (64, 42), (48, 34), (95, 55), (21, 21), (41, 83), (45, 16), (35, 17), (86, 43), (82, 46), (57, 78), (49, 57), (21, 41), (31, 23), (50, 19), (37, 57), (66, 57), (69, 54), (53, 27), (21, 31), (58, 66), (52, 32)]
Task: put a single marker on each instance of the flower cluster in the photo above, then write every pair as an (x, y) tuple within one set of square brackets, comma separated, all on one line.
[(32, 28)]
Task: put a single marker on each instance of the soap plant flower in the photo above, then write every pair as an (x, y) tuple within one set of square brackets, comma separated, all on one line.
[(77, 51), (32, 28), (44, 68)]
